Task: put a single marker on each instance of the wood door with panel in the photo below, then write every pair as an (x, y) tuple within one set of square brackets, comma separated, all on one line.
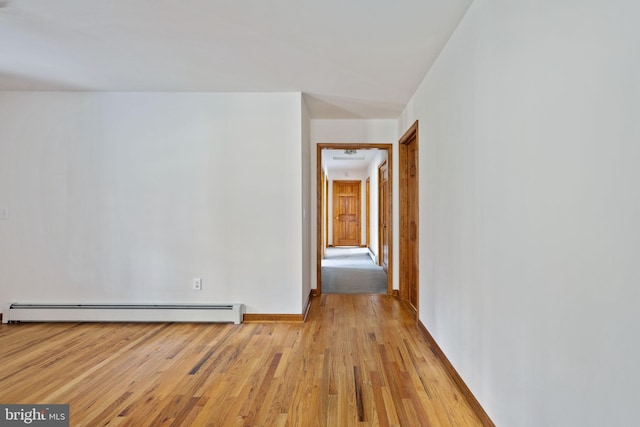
[(409, 259), (346, 213), (367, 202), (412, 211), (324, 227), (384, 215)]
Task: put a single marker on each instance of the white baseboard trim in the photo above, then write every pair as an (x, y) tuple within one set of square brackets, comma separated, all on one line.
[(373, 256)]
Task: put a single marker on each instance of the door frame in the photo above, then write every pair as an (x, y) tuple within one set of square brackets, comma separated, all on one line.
[(403, 169), (320, 205)]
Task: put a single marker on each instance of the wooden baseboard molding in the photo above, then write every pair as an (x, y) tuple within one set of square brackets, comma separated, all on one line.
[(280, 318), (477, 408), (308, 307), (272, 318), (396, 293)]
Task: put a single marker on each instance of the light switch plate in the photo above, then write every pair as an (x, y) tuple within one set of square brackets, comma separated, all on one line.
[(4, 213)]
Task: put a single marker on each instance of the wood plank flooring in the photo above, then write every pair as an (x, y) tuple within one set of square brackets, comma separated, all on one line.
[(359, 360)]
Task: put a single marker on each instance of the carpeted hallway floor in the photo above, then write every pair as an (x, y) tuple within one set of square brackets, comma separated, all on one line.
[(352, 271)]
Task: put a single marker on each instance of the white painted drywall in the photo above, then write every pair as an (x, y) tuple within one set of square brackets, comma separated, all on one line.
[(530, 209), (354, 131), (307, 174), (125, 197)]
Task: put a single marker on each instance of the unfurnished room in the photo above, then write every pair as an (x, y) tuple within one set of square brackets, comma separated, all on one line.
[(319, 213)]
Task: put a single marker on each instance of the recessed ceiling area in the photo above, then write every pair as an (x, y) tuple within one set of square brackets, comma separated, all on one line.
[(350, 59), (348, 160)]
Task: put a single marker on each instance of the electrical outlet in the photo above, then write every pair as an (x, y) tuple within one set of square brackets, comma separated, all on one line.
[(197, 284), (4, 213)]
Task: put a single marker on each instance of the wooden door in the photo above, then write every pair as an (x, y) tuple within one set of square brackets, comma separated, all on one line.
[(367, 204), (324, 231), (384, 216), (346, 213), (409, 260)]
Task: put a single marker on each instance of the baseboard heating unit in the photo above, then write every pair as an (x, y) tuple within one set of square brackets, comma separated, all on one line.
[(122, 313)]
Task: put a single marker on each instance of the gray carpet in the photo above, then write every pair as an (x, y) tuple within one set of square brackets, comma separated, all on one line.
[(352, 274)]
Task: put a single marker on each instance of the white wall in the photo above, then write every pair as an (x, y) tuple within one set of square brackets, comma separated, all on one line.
[(354, 131), (530, 208), (125, 197), (306, 204)]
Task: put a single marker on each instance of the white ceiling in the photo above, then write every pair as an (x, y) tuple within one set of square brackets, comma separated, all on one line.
[(350, 58), (335, 160)]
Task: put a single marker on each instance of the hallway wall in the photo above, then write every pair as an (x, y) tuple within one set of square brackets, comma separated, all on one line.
[(529, 209), (125, 197)]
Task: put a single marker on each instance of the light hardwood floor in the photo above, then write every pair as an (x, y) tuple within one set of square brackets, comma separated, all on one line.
[(358, 361)]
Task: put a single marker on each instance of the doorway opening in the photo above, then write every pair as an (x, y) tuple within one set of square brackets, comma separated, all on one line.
[(350, 198)]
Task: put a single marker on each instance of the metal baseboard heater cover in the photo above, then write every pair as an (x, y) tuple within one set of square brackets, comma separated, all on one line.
[(17, 312)]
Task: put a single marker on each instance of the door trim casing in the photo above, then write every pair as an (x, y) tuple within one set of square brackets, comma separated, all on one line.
[(319, 204)]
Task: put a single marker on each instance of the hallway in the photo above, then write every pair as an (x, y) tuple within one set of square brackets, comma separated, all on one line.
[(351, 270)]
